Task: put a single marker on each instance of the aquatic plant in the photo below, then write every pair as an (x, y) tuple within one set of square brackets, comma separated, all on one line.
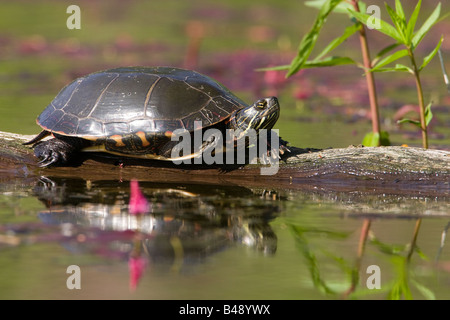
[(403, 32), (404, 35)]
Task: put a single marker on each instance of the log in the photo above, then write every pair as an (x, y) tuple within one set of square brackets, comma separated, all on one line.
[(394, 169)]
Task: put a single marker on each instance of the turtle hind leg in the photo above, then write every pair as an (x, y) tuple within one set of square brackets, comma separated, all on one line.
[(58, 151)]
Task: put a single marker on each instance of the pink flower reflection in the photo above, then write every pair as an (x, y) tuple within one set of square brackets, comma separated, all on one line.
[(136, 265), (138, 203)]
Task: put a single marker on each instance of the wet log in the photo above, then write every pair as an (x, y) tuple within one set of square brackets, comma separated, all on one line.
[(393, 169)]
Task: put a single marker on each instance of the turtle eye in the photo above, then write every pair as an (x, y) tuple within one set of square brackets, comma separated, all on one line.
[(261, 104)]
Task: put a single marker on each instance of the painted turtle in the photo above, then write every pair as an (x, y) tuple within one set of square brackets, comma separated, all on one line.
[(133, 112)]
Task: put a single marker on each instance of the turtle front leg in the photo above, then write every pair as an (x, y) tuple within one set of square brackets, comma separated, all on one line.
[(282, 144)]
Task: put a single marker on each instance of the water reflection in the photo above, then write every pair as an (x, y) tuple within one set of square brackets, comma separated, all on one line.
[(191, 237), (183, 225), (379, 268)]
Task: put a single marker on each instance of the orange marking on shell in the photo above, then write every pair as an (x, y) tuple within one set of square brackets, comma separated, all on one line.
[(91, 138), (144, 140), (168, 134), (118, 139)]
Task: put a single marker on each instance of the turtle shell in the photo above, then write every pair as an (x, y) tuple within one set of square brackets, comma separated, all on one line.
[(133, 111), (150, 100)]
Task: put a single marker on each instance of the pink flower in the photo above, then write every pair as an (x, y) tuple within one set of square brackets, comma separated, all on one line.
[(137, 266), (304, 89), (138, 203), (274, 78)]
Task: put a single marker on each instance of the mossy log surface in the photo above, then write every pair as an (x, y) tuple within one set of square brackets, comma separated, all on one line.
[(403, 170)]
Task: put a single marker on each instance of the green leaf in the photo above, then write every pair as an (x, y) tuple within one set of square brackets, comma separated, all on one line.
[(401, 287), (350, 30), (371, 139), (398, 68), (429, 57), (305, 48), (383, 52), (432, 19), (426, 292), (309, 40), (311, 261), (399, 10), (385, 27), (395, 293), (428, 114), (402, 67), (414, 122), (362, 6), (328, 62), (315, 3), (391, 58), (412, 21), (340, 8), (276, 68), (384, 139), (398, 22), (374, 139), (388, 248), (428, 117), (421, 254)]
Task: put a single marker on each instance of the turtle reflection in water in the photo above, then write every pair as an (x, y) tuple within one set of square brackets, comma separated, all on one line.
[(196, 220), (134, 112)]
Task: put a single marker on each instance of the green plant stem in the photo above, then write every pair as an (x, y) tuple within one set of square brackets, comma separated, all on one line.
[(361, 245), (414, 239), (423, 123), (374, 111)]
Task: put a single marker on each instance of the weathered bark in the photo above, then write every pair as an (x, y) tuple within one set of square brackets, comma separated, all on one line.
[(387, 169)]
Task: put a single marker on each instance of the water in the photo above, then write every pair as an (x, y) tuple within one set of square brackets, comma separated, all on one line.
[(216, 242)]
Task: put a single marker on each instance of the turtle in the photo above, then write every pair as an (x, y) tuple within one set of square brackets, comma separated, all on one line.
[(134, 112)]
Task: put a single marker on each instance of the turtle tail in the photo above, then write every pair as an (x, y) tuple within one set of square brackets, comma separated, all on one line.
[(39, 137)]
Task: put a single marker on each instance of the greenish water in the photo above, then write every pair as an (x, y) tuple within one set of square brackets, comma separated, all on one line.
[(217, 242), (212, 242)]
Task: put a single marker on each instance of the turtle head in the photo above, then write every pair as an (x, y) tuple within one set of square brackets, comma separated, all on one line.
[(260, 115)]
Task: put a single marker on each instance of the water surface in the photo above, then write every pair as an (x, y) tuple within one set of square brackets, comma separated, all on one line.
[(217, 242)]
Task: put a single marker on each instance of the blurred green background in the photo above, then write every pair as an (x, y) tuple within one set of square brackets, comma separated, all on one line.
[(227, 40)]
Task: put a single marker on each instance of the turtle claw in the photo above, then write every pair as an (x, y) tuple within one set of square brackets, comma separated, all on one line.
[(49, 153), (284, 149), (41, 163), (47, 161)]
